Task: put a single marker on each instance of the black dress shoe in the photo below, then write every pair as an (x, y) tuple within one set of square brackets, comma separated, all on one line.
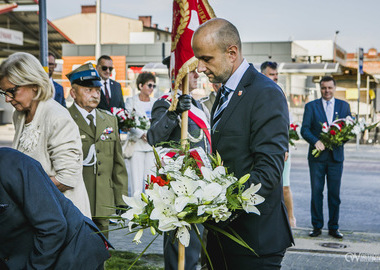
[(336, 234), (315, 232)]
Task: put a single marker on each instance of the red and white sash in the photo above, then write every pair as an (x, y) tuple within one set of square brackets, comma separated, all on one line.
[(199, 118)]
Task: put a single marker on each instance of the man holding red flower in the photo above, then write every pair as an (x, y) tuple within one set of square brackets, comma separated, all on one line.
[(329, 164)]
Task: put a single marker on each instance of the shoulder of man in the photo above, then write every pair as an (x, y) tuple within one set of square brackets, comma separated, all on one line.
[(105, 113), (167, 98), (57, 85), (114, 82)]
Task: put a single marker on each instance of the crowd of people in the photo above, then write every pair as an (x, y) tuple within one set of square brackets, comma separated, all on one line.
[(72, 168)]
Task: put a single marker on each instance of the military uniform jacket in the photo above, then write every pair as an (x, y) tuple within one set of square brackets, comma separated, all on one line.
[(165, 127), (106, 181)]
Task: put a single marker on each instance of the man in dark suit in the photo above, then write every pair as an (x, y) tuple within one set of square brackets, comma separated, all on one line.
[(250, 126), (330, 163), (111, 94), (40, 228), (58, 94), (104, 171)]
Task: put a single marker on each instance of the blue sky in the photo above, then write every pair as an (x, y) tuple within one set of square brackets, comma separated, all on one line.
[(358, 22)]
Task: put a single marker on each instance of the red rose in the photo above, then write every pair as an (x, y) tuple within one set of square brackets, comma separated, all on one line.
[(293, 126), (332, 132)]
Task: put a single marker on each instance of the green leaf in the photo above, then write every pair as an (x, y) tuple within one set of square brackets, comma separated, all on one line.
[(239, 240)]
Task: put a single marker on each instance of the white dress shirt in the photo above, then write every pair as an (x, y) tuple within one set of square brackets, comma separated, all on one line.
[(330, 113), (84, 113), (108, 87), (235, 78)]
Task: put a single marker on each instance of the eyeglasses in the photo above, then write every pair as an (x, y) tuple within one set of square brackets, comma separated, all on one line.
[(104, 68), (151, 85), (11, 92)]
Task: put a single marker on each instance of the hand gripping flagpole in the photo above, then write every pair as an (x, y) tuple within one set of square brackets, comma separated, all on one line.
[(184, 142)]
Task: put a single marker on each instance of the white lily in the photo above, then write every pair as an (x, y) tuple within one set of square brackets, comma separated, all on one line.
[(356, 130), (166, 216), (183, 236), (212, 175), (209, 192), (138, 236), (161, 194), (171, 165), (184, 187), (136, 204), (219, 213), (249, 199)]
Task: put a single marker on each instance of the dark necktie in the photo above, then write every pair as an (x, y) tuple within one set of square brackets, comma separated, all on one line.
[(223, 102), (92, 125), (107, 93)]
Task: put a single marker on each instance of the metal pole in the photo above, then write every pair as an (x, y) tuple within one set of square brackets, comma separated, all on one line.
[(98, 31), (367, 100), (358, 83), (43, 34)]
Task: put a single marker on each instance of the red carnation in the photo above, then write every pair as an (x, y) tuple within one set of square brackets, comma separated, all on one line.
[(161, 182), (332, 132)]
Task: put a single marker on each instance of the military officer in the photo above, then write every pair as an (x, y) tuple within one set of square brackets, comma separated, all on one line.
[(104, 171)]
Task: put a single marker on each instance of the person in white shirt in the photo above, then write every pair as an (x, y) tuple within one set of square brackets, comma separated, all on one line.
[(139, 156)]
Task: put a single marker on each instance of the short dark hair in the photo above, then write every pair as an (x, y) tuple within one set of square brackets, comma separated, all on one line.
[(144, 77), (52, 54), (105, 57), (327, 79), (272, 65)]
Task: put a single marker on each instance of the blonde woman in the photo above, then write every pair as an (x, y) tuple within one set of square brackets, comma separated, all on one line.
[(142, 160), (45, 130)]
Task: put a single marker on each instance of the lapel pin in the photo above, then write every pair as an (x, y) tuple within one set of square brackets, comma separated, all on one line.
[(102, 137), (240, 93), (83, 136)]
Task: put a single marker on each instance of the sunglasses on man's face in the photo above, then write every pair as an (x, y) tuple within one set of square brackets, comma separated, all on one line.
[(104, 68), (151, 85), (9, 92)]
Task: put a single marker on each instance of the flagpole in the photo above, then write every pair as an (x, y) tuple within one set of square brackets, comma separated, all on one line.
[(184, 128)]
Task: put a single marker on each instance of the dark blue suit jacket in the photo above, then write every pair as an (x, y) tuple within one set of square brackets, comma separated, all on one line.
[(59, 95), (117, 99), (252, 137), (313, 119), (40, 228)]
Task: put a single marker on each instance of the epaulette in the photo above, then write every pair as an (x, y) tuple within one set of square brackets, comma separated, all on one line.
[(167, 98), (105, 111), (201, 100)]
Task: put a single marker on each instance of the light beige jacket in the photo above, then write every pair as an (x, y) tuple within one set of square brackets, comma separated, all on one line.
[(53, 140)]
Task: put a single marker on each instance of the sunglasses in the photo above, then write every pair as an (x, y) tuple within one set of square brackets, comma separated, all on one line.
[(11, 92), (104, 68), (151, 85)]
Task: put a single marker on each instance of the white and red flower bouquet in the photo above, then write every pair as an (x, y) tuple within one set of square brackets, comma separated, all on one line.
[(340, 131), (189, 188), (128, 120)]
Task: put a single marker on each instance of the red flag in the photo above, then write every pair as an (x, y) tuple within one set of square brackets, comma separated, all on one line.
[(187, 16)]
